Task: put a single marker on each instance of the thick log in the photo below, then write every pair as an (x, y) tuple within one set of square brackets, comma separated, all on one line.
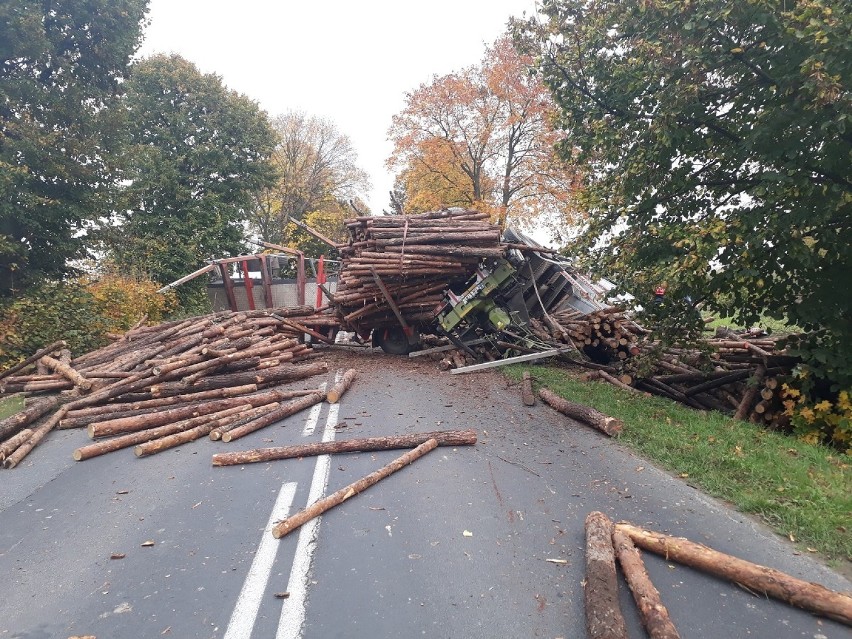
[(11, 445), (242, 418), (527, 394), (132, 439), (285, 410), (319, 507), (603, 613), (586, 414), (31, 413), (654, 615), (751, 393), (34, 440), (170, 441), (767, 581), (47, 350), (67, 372), (333, 396), (444, 438)]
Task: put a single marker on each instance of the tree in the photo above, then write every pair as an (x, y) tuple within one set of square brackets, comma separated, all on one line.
[(196, 154), (715, 138), (61, 67), (482, 137), (317, 167)]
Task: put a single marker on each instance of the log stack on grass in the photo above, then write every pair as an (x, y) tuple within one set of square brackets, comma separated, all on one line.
[(159, 386)]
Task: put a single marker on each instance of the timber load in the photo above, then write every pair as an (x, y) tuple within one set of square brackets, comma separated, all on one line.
[(223, 375)]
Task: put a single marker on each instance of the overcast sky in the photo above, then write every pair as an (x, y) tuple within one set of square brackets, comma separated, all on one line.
[(345, 60)]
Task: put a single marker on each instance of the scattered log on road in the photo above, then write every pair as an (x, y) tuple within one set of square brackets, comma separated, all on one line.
[(34, 440), (527, 394), (586, 414), (444, 438), (10, 445), (654, 615), (285, 410), (603, 613), (31, 413), (319, 507), (760, 579), (333, 396)]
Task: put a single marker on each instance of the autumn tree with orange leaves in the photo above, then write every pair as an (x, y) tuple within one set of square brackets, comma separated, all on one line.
[(483, 137)]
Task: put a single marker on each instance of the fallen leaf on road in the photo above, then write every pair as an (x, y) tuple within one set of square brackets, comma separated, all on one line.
[(196, 505), (121, 492), (146, 544), (117, 555), (377, 508), (557, 561), (282, 595), (467, 533)]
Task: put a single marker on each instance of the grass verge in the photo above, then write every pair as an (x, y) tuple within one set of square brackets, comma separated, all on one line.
[(10, 406), (802, 491)]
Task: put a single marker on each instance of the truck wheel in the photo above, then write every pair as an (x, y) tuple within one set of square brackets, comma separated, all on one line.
[(393, 340)]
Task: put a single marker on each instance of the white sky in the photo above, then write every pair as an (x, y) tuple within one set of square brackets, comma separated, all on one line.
[(348, 61)]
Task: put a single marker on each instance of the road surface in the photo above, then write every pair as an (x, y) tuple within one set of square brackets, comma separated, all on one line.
[(459, 544)]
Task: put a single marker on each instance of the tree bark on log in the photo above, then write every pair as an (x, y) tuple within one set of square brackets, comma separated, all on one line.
[(132, 439), (242, 418), (170, 441), (444, 438), (67, 372), (34, 440), (603, 613), (770, 582), (11, 445), (319, 507), (285, 410), (654, 615), (47, 350), (586, 414), (750, 394), (333, 396), (31, 413), (527, 394)]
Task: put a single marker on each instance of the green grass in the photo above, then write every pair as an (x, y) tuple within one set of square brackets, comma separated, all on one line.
[(10, 406), (802, 491), (767, 323)]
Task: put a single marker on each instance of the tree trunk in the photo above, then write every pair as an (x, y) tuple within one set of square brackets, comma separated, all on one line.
[(585, 414), (285, 410), (11, 445), (603, 613), (34, 440), (750, 394), (527, 394), (31, 413), (654, 615), (333, 396), (47, 350), (444, 438), (767, 581), (319, 507), (67, 372), (242, 418)]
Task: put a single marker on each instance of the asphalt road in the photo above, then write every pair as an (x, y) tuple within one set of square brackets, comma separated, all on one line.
[(456, 545)]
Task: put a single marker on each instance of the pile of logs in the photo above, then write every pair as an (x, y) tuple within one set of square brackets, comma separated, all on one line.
[(401, 265), (160, 386)]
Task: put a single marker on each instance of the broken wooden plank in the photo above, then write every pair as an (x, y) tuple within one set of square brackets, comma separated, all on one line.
[(509, 360)]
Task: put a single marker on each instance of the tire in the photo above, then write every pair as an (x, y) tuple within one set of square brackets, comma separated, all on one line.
[(393, 340)]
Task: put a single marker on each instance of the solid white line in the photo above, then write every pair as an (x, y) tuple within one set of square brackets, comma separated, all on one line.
[(248, 603), (293, 611), (313, 416)]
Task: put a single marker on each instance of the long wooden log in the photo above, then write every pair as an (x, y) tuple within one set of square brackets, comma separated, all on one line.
[(751, 393), (242, 418), (132, 439), (333, 396), (31, 413), (603, 613), (11, 445), (170, 441), (586, 414), (654, 615), (444, 438), (67, 372), (47, 350), (319, 507), (768, 581), (527, 394), (285, 410), (34, 440)]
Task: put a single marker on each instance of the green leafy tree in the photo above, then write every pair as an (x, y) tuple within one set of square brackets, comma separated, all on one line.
[(61, 66), (196, 154), (716, 139)]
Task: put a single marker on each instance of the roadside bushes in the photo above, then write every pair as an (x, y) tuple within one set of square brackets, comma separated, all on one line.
[(81, 312)]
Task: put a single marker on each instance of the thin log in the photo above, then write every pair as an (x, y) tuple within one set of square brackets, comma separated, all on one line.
[(603, 613), (285, 410), (67, 372), (132, 439), (47, 350), (586, 414), (170, 441), (751, 393), (34, 440), (333, 396), (527, 394), (617, 382), (242, 418), (319, 507), (10, 445), (444, 438), (767, 581), (654, 615), (31, 413)]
